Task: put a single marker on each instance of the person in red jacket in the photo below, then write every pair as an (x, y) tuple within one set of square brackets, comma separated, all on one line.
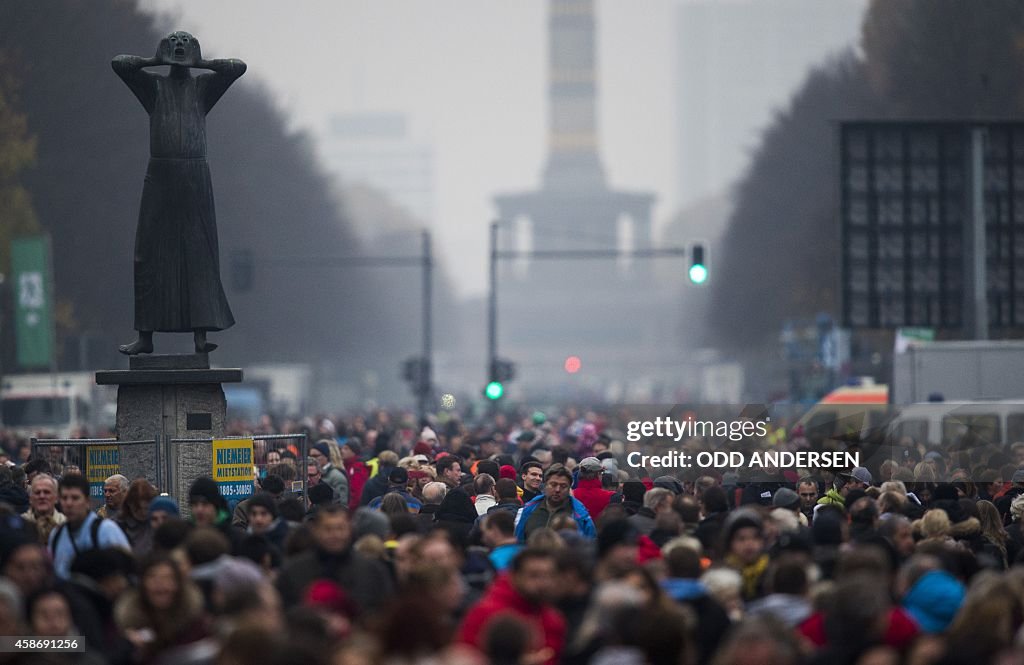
[(357, 472), (588, 487), (522, 593)]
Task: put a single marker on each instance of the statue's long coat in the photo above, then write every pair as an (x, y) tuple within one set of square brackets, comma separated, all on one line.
[(177, 259)]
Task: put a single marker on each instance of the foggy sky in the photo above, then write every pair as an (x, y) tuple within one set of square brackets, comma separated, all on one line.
[(471, 75)]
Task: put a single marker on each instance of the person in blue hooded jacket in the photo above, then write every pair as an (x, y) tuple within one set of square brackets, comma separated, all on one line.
[(556, 500), (934, 599), (683, 586)]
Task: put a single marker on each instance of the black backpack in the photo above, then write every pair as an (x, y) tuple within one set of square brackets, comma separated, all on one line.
[(94, 532)]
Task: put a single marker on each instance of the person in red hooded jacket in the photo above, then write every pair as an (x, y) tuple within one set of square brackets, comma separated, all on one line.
[(357, 472), (588, 487), (523, 593)]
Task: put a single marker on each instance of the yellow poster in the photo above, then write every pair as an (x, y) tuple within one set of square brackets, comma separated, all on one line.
[(101, 462), (232, 468)]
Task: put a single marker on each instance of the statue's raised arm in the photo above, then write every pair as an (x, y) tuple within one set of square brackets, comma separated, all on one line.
[(142, 83), (214, 85), (177, 258)]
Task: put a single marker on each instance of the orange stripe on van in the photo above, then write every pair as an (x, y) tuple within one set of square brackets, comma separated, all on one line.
[(856, 398)]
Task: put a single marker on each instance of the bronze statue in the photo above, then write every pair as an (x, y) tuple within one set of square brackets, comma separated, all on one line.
[(177, 259)]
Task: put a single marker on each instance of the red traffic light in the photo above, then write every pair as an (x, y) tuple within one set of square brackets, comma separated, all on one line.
[(572, 364)]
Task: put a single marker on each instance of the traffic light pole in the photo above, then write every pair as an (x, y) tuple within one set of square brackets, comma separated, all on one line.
[(492, 306), (426, 263), (975, 307), (492, 300), (557, 254), (423, 392)]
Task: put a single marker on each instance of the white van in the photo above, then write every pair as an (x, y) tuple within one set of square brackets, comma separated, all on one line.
[(54, 404), (946, 423)]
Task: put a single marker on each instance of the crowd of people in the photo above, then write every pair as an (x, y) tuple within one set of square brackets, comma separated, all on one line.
[(518, 541)]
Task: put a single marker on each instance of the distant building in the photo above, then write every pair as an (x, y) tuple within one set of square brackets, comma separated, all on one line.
[(610, 314), (738, 62), (375, 149)]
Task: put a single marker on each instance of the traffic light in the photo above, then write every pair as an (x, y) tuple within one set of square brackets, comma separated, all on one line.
[(494, 390), (698, 267), (416, 372), (499, 373)]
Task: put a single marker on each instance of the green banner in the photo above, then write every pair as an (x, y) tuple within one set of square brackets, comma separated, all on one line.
[(33, 306)]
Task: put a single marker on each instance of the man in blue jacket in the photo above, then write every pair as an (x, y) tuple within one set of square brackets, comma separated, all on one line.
[(84, 530), (556, 500)]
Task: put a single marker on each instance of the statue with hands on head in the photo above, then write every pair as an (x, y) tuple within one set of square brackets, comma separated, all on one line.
[(177, 257)]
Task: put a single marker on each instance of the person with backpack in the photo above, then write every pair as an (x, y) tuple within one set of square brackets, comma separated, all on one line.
[(84, 530)]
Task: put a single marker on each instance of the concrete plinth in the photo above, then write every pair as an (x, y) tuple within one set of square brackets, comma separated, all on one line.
[(175, 397)]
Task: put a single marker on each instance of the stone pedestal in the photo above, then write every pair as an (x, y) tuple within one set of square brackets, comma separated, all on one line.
[(175, 397)]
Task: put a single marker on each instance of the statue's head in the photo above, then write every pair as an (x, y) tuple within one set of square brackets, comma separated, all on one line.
[(180, 48)]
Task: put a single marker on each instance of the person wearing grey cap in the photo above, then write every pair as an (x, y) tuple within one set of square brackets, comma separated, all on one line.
[(789, 500), (671, 483), (588, 490), (786, 498), (858, 478)]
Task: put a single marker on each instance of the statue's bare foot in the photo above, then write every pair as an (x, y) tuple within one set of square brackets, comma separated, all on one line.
[(140, 345)]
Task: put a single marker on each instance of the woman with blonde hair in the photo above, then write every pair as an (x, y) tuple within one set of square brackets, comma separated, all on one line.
[(924, 472), (988, 620), (335, 457), (992, 532), (409, 463), (934, 527)]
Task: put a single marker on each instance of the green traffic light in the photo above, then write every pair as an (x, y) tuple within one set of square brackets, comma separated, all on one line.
[(698, 273), (494, 390)]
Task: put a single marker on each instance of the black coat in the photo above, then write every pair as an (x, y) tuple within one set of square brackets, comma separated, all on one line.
[(456, 514), (15, 497), (709, 529), (366, 581), (376, 486)]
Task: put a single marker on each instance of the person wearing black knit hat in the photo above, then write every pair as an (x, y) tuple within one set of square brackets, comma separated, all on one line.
[(273, 485), (265, 503), (210, 509), (616, 548), (398, 483), (205, 492), (633, 496), (264, 520), (319, 495), (743, 549)]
